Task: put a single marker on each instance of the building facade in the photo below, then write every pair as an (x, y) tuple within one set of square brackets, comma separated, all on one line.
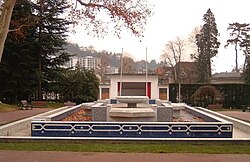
[(226, 77), (133, 85), (87, 62)]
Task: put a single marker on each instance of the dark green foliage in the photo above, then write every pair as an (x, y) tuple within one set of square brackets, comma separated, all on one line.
[(53, 31), (246, 73), (235, 95), (237, 32), (245, 44), (208, 45), (17, 69), (33, 54), (79, 86), (240, 37), (50, 38)]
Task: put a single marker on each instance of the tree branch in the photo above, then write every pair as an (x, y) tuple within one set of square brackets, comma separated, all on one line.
[(92, 4), (18, 29)]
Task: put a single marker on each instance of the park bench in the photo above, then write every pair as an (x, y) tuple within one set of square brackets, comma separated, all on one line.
[(246, 108), (38, 103), (25, 105), (215, 106)]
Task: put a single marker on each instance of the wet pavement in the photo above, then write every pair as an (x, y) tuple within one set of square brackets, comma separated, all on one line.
[(237, 114), (45, 156), (7, 117)]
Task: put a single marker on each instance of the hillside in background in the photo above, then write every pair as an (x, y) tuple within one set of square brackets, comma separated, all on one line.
[(108, 58)]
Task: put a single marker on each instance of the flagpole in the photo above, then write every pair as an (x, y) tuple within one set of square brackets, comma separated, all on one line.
[(146, 71), (121, 73)]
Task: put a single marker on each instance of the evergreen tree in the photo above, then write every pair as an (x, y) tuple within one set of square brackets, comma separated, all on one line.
[(237, 30), (17, 70), (245, 45), (246, 72), (79, 85), (50, 39), (208, 45)]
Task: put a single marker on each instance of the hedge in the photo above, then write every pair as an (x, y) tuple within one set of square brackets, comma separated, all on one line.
[(235, 95)]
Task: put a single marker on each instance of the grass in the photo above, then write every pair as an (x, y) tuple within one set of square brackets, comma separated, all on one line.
[(129, 147), (10, 107), (54, 105), (224, 109), (7, 107)]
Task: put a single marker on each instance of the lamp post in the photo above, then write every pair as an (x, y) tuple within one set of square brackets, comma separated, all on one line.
[(179, 92), (181, 77), (146, 71), (121, 73)]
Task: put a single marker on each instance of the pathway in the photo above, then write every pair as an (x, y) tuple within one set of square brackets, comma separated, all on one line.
[(237, 114), (44, 156), (7, 117)]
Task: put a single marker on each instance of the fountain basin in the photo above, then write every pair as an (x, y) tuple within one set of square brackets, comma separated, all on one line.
[(132, 101), (131, 113), (129, 125)]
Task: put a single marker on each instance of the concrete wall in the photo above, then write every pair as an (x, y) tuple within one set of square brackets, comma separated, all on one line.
[(201, 114), (65, 113), (241, 125)]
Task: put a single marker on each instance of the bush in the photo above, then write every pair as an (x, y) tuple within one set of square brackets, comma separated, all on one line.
[(235, 95)]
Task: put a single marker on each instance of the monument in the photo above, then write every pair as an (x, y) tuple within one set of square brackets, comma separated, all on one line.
[(131, 109)]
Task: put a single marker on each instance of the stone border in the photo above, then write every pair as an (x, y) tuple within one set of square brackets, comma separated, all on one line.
[(132, 129), (239, 124)]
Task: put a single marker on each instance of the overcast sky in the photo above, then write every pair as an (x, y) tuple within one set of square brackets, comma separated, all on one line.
[(171, 19)]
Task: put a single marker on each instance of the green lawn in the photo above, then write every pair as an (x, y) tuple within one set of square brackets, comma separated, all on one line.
[(136, 147), (54, 105), (7, 107), (10, 107)]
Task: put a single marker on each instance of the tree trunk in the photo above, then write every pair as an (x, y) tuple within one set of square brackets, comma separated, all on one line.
[(209, 69), (236, 58), (5, 19), (40, 53)]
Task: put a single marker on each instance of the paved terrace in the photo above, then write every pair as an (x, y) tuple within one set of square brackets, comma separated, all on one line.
[(8, 117), (237, 114)]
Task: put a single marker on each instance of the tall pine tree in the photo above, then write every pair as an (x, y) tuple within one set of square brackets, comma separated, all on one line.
[(17, 69), (208, 45), (237, 30), (50, 38), (34, 51), (245, 45)]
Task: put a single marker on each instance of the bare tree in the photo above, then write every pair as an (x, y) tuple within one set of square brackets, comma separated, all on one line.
[(102, 67), (193, 50), (173, 54), (128, 66), (129, 14), (6, 10)]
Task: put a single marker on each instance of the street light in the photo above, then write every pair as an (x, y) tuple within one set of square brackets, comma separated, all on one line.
[(181, 77)]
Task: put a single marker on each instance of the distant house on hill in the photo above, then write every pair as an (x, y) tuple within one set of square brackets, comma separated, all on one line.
[(165, 75), (226, 77), (87, 62), (186, 73)]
